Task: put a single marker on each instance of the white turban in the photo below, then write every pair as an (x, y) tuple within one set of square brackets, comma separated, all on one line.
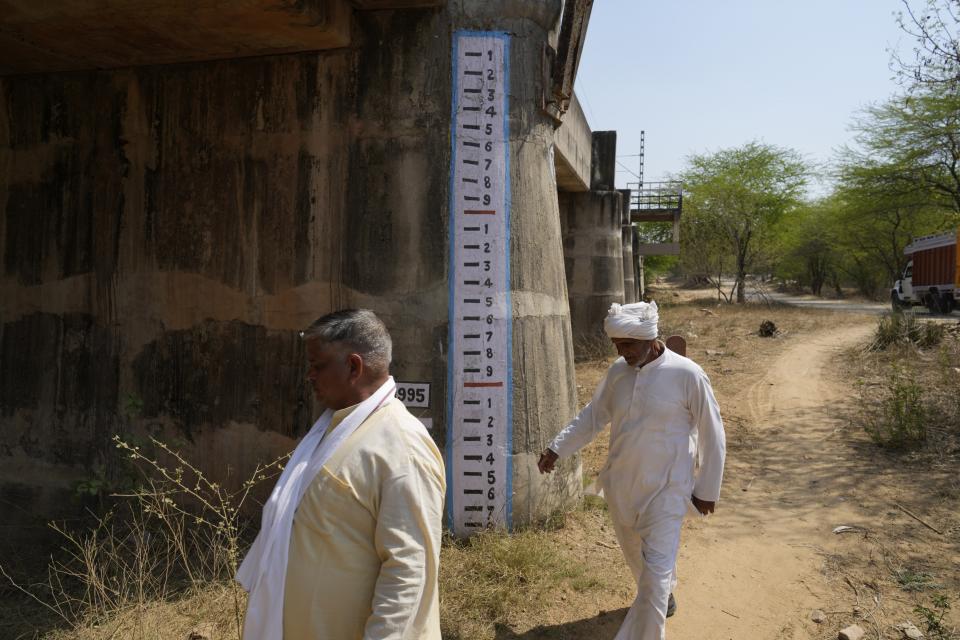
[(637, 321)]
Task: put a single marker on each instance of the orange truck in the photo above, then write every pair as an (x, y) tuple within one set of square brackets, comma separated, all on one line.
[(932, 275)]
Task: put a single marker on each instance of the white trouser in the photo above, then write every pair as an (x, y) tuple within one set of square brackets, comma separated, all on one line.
[(650, 548)]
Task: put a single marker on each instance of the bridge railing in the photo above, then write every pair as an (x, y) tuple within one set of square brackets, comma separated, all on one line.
[(656, 196), (657, 202)]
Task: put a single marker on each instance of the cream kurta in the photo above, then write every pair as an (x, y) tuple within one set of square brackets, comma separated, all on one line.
[(365, 545)]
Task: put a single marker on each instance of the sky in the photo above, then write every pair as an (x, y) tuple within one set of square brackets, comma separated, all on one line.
[(703, 75)]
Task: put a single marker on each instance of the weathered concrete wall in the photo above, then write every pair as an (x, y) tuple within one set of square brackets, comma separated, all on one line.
[(168, 230), (603, 163), (165, 232), (593, 258)]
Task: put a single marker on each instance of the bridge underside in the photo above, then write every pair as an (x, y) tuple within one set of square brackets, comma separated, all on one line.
[(72, 35)]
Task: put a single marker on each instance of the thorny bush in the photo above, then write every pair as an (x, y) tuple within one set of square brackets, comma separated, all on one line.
[(175, 534)]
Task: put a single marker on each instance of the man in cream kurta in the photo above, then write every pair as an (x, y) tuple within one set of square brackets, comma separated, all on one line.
[(365, 546), (663, 419), (350, 543)]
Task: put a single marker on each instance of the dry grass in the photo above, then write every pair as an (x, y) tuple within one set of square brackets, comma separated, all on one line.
[(209, 610), (910, 409), (590, 347), (174, 539), (909, 389), (495, 579)]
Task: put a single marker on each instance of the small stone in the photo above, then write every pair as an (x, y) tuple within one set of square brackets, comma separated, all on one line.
[(201, 632), (910, 630), (853, 632), (768, 329), (818, 616)]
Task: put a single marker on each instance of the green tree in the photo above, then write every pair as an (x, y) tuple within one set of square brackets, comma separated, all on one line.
[(810, 247), (872, 232), (734, 199), (704, 253), (900, 181)]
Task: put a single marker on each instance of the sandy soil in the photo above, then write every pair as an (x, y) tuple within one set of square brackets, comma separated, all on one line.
[(754, 569)]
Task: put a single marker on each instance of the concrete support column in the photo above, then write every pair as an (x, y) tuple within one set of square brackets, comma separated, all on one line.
[(638, 267), (544, 392), (593, 257), (627, 230)]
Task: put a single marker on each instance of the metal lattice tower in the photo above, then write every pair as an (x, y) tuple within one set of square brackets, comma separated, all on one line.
[(643, 136)]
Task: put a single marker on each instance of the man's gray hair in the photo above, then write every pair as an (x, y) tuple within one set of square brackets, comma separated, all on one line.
[(362, 330)]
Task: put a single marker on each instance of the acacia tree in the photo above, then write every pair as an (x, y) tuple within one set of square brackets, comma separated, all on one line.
[(908, 147), (872, 230), (902, 177), (934, 26), (809, 247), (736, 197), (704, 254)]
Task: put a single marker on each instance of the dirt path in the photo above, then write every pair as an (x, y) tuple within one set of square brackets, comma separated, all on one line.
[(753, 570)]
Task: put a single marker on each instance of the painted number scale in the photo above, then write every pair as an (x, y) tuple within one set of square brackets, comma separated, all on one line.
[(479, 436)]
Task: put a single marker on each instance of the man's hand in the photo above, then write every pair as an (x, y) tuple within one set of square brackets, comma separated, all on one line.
[(547, 461), (703, 506)]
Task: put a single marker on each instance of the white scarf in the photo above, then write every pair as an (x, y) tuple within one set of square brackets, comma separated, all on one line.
[(263, 572), (637, 320)]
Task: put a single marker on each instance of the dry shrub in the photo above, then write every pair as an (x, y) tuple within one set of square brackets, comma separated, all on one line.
[(904, 328), (899, 419), (176, 538), (911, 395)]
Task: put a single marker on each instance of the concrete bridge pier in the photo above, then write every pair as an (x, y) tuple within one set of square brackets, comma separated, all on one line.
[(544, 392), (629, 269), (638, 267), (592, 223), (593, 256)]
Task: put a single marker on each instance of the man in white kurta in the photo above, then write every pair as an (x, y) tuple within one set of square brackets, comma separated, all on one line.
[(663, 419), (349, 547)]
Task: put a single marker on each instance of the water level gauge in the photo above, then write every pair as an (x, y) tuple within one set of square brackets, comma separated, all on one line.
[(479, 431)]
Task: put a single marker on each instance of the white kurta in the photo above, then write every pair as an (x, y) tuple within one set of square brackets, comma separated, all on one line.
[(663, 417)]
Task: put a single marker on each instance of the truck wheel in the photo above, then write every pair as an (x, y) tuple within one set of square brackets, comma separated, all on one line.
[(932, 301), (948, 304), (896, 304)]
